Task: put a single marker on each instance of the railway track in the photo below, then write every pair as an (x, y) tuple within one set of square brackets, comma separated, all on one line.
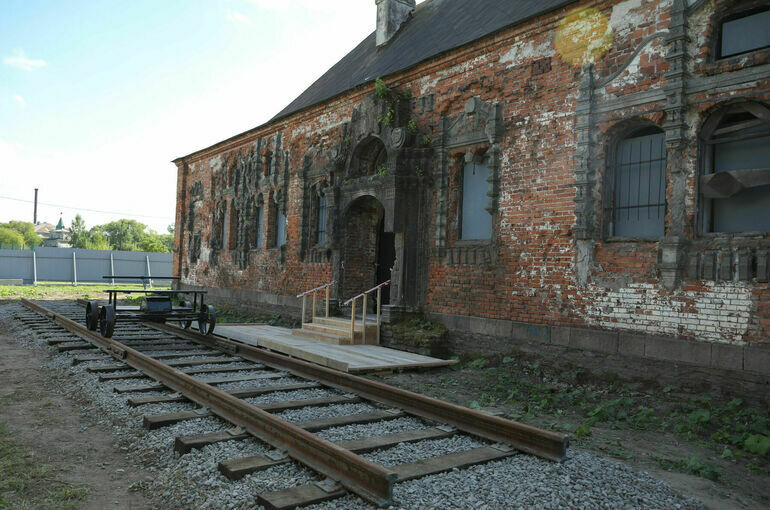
[(190, 367)]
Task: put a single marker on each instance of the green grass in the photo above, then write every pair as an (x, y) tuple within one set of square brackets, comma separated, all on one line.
[(26, 483), (47, 290)]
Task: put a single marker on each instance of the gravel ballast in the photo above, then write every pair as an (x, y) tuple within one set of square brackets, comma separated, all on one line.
[(193, 481)]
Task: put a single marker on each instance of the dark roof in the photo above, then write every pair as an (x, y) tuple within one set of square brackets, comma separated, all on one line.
[(436, 26)]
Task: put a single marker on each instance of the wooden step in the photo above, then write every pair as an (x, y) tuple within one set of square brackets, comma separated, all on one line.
[(322, 337)]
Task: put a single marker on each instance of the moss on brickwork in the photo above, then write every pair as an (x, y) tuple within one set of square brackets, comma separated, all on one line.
[(420, 335)]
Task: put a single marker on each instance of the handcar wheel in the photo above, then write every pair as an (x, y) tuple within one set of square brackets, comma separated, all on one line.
[(186, 323), (207, 320), (92, 315), (107, 321)]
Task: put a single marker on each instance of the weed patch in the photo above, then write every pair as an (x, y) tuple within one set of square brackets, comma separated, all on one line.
[(25, 483)]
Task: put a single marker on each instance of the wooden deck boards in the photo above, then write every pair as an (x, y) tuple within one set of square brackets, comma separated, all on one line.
[(347, 358)]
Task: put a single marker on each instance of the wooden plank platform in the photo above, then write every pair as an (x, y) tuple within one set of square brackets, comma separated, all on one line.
[(347, 358)]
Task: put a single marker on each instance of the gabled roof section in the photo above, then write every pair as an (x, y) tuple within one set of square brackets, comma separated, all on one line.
[(435, 27)]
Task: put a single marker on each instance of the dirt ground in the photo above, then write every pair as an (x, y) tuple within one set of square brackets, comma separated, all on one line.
[(691, 441), (73, 451)]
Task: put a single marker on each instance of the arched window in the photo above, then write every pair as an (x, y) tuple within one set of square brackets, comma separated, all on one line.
[(475, 220), (735, 177), (635, 185)]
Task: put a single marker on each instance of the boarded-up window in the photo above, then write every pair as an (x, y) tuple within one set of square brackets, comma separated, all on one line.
[(476, 221), (321, 220), (736, 175), (745, 34), (637, 186)]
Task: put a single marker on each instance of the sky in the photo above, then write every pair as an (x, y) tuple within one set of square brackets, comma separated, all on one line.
[(97, 97)]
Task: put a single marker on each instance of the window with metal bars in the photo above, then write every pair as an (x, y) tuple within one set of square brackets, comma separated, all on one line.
[(321, 219), (636, 195)]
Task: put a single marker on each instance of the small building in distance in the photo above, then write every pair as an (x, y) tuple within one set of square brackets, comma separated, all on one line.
[(54, 236)]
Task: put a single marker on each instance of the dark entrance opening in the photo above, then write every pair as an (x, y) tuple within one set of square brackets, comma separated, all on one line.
[(386, 257), (369, 252)]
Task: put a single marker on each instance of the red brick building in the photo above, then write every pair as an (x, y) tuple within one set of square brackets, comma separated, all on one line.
[(590, 174)]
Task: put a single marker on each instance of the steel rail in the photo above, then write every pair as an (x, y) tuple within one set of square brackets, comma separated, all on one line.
[(525, 438), (363, 477)]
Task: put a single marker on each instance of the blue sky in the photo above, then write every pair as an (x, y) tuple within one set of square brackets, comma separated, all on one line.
[(97, 97)]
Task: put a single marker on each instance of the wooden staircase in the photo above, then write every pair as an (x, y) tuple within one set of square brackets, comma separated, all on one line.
[(341, 330), (336, 330)]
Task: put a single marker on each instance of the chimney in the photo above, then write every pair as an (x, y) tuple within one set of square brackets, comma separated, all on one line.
[(391, 14)]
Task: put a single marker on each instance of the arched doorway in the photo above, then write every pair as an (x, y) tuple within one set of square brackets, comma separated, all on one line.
[(369, 251)]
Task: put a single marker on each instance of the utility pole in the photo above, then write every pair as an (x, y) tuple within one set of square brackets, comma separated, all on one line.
[(34, 221)]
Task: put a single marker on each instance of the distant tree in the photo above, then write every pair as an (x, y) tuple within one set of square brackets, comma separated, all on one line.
[(79, 236), (97, 240), (27, 231), (125, 234), (153, 243), (11, 237), (171, 228)]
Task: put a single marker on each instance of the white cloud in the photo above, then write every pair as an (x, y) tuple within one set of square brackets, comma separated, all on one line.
[(21, 61), (237, 18), (20, 101)]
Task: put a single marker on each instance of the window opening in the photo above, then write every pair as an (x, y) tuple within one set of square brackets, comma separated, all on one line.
[(476, 221), (637, 205), (745, 34), (280, 227), (258, 227), (321, 218), (736, 180)]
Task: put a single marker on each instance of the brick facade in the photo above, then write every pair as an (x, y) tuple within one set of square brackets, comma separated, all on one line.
[(544, 124)]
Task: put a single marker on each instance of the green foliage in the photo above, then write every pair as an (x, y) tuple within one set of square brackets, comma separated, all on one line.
[(79, 236), (694, 465), (11, 237), (382, 171), (757, 444), (411, 126), (387, 120), (478, 363), (124, 234), (381, 90), (25, 229), (426, 140)]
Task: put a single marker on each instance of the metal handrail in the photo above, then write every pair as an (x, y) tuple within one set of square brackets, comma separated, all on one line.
[(364, 295), (322, 287), (314, 292), (378, 287)]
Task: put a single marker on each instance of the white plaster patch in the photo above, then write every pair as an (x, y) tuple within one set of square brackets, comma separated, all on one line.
[(426, 84), (523, 51), (632, 74), (719, 314)]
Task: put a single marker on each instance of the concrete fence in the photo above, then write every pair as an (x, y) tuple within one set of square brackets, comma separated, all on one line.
[(74, 265)]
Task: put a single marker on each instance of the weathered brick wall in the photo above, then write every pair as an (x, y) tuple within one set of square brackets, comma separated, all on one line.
[(538, 272)]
